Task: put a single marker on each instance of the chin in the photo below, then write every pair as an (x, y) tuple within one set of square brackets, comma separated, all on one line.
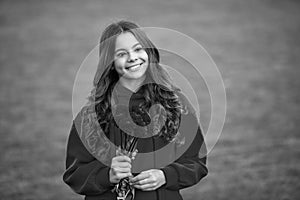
[(136, 75)]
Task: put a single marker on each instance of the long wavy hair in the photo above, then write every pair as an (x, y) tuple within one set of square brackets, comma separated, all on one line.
[(106, 77)]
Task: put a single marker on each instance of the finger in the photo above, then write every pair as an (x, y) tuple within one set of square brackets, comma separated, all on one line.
[(146, 187), (139, 177), (149, 171), (122, 159), (144, 181), (121, 165), (121, 170), (124, 175)]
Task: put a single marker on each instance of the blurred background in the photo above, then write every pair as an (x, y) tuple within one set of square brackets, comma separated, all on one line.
[(255, 44)]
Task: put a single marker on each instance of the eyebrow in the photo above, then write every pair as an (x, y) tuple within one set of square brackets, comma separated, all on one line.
[(125, 49)]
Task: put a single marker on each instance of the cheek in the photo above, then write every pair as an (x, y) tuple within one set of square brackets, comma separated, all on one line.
[(144, 55), (120, 62), (119, 66)]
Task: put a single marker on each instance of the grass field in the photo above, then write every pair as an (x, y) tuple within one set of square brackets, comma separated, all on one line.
[(255, 44)]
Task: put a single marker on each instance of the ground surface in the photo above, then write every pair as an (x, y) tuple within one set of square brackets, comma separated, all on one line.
[(255, 44)]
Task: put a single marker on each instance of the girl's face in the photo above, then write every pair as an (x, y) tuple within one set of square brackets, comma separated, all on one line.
[(130, 58)]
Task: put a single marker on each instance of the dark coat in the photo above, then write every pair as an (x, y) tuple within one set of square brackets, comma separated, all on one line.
[(88, 176)]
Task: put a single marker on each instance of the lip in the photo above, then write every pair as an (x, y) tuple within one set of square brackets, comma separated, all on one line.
[(133, 65)]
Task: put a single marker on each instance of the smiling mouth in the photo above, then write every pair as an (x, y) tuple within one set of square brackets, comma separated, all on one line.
[(137, 65)]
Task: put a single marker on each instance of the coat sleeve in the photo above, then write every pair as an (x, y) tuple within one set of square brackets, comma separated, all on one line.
[(84, 174), (190, 167)]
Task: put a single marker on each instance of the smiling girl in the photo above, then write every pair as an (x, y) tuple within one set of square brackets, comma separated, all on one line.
[(131, 61), (129, 72)]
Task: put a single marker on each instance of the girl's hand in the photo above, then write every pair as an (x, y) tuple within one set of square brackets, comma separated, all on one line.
[(149, 180), (120, 168)]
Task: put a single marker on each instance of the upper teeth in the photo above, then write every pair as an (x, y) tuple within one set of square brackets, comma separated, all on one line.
[(133, 66)]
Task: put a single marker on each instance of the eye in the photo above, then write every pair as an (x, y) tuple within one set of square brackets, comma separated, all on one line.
[(138, 49), (121, 54)]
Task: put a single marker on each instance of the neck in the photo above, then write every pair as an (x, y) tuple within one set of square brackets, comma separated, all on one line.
[(133, 84)]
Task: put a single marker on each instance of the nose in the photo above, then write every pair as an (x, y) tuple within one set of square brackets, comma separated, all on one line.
[(132, 57)]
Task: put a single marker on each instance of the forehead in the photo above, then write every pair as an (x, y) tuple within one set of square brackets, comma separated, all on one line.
[(125, 41)]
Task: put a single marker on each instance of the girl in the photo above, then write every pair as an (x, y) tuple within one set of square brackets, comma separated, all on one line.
[(131, 85)]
